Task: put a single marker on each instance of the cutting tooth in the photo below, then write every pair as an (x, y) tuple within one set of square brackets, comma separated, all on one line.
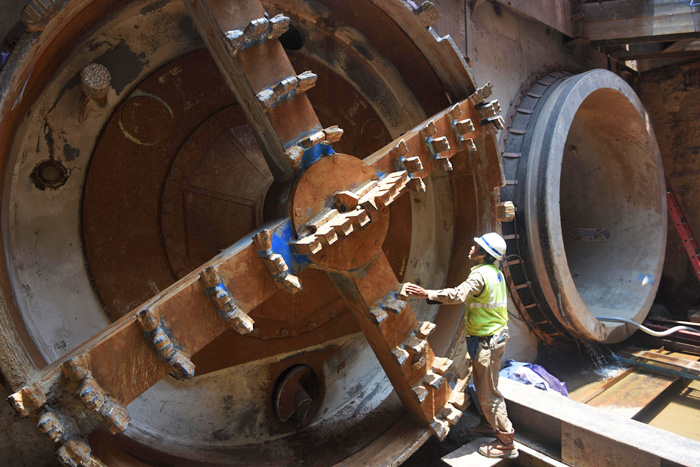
[(413, 164), (378, 315), (450, 414), (484, 92), (420, 392), (464, 127), (309, 245), (307, 80), (279, 24), (442, 365), (425, 329), (416, 185), (400, 355), (455, 112), (433, 380), (399, 150), (333, 134), (493, 124), (444, 164), (256, 29), (440, 428), (428, 130), (438, 145)]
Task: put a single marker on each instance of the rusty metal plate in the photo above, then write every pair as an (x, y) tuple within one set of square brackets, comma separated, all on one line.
[(314, 193), (162, 200), (214, 191)]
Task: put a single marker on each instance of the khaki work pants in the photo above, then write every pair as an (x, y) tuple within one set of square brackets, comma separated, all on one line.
[(485, 366)]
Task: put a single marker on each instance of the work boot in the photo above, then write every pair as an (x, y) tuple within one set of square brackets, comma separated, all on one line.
[(483, 429), (502, 447)]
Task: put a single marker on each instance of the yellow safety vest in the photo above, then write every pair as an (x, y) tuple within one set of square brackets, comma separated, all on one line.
[(487, 312)]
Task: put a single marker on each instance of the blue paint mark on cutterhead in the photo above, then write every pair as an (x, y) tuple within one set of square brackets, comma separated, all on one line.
[(313, 154), (280, 244)]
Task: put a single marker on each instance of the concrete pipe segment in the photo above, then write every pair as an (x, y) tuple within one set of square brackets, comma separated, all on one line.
[(584, 171)]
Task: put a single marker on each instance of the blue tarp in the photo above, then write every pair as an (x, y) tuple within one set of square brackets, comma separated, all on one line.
[(530, 373)]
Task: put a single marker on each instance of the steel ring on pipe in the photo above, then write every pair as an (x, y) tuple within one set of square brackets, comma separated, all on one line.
[(583, 168)]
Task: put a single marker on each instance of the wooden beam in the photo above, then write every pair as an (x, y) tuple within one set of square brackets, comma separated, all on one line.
[(649, 20), (655, 50), (554, 14), (641, 55)]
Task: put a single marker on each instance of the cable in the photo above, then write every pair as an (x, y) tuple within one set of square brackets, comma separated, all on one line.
[(646, 329)]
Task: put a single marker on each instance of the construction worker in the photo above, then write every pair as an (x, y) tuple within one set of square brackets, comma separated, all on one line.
[(486, 314)]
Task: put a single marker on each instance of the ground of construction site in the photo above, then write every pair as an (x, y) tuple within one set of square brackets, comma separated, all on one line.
[(220, 220)]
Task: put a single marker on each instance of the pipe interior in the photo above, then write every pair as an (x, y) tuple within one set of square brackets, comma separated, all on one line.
[(610, 208)]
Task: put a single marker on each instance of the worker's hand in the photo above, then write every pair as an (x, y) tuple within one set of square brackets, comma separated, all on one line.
[(416, 290)]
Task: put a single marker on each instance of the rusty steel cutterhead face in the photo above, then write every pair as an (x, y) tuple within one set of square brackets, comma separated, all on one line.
[(154, 111)]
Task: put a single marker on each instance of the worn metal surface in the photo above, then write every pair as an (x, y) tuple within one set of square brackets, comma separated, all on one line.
[(179, 321), (190, 327)]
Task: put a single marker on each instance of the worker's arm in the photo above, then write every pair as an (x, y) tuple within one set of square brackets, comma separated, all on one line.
[(474, 285)]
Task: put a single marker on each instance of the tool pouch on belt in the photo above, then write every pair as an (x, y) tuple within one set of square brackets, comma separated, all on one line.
[(499, 339)]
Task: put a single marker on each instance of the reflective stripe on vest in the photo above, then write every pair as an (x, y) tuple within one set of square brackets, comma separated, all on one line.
[(489, 306), (487, 312)]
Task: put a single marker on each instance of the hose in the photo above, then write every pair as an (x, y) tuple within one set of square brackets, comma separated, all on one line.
[(646, 329)]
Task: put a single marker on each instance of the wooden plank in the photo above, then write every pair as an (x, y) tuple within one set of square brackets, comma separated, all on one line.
[(639, 19), (555, 14), (632, 393), (630, 55), (468, 455), (658, 50), (607, 385)]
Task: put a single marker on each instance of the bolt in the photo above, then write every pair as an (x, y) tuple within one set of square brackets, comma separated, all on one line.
[(49, 173), (284, 332), (191, 144), (310, 325), (365, 168), (334, 312), (95, 80), (298, 212)]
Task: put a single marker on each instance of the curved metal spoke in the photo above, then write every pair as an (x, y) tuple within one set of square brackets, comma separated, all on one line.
[(430, 145), (399, 341), (244, 45), (96, 381)]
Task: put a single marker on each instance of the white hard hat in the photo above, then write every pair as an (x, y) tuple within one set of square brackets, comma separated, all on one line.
[(493, 244)]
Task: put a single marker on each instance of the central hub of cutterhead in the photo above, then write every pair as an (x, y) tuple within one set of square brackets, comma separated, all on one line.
[(313, 197)]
